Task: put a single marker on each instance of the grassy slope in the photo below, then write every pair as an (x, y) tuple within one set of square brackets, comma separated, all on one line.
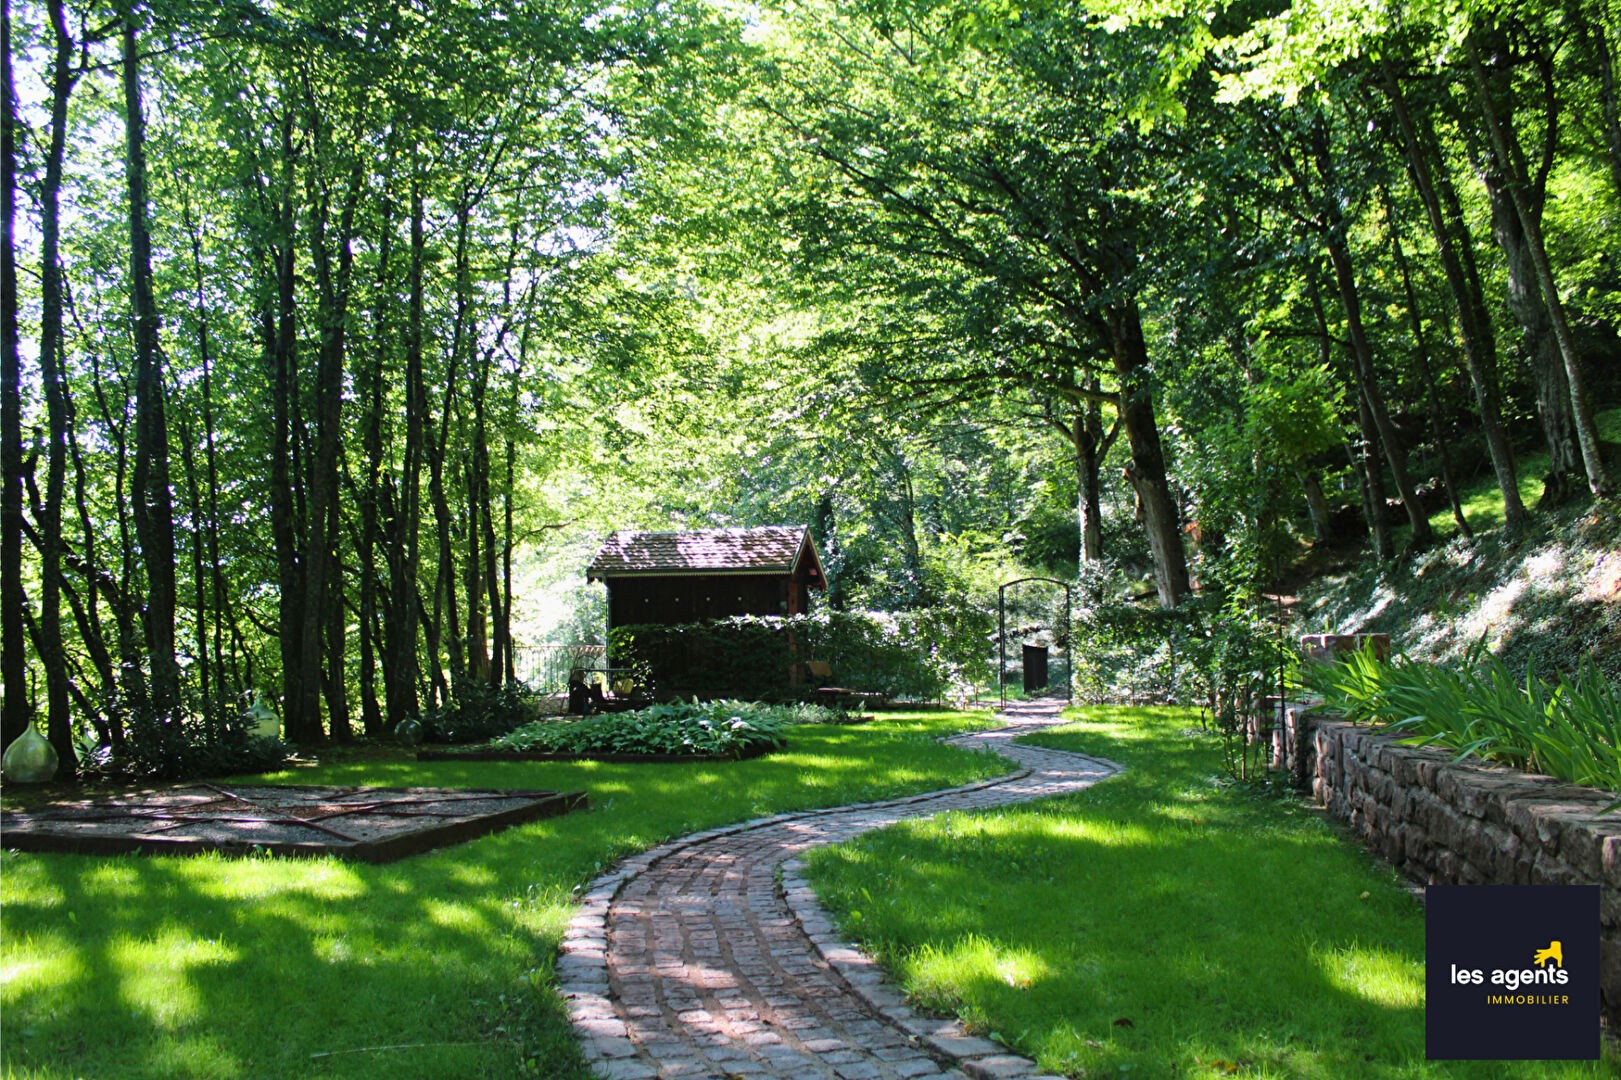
[(1157, 925), (1549, 599), (225, 967)]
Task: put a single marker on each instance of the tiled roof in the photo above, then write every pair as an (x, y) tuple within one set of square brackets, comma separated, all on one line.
[(767, 549)]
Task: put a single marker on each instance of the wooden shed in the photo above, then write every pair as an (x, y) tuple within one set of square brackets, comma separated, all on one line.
[(667, 578)]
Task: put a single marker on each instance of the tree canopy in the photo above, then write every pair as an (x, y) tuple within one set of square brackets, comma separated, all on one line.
[(324, 322)]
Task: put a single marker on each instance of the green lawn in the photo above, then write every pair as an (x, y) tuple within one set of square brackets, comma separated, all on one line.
[(264, 967), (1157, 925)]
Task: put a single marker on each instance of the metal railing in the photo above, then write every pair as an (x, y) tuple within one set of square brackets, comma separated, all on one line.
[(546, 667)]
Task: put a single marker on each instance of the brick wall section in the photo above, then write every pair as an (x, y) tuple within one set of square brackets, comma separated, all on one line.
[(1448, 823)]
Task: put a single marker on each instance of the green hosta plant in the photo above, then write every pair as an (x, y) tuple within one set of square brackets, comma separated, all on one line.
[(1570, 729), (698, 728)]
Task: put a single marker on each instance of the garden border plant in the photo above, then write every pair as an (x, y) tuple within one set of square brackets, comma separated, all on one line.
[(1570, 729), (673, 731)]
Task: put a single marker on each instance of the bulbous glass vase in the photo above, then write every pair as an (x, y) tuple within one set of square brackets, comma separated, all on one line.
[(29, 759)]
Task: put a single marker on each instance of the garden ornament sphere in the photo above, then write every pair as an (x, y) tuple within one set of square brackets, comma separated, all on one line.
[(409, 731)]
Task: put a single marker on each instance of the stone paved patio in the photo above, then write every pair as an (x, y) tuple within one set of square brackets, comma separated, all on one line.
[(368, 824), (691, 960)]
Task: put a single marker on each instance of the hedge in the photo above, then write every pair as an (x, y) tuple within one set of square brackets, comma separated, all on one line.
[(921, 655)]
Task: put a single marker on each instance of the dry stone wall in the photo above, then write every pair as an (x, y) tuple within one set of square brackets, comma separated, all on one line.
[(1453, 823)]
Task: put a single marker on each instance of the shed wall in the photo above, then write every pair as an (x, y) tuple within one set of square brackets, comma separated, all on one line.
[(671, 600)]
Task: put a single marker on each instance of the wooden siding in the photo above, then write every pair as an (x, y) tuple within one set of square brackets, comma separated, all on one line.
[(670, 600)]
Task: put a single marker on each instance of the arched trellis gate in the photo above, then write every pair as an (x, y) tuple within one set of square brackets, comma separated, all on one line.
[(1001, 636)]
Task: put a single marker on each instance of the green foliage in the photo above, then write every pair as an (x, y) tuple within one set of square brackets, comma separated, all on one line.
[(1570, 729), (1201, 650), (1224, 657), (479, 711), (700, 728), (744, 657), (919, 655), (212, 739)]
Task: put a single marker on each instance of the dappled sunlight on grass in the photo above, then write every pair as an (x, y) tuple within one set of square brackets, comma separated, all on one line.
[(1162, 923), (158, 973), (249, 966), (937, 969), (1380, 976), (196, 1056)]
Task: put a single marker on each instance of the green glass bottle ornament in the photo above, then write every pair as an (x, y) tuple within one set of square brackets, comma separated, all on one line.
[(264, 720), (29, 759)]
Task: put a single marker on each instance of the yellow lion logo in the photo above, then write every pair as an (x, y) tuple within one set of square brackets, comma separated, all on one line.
[(1554, 952)]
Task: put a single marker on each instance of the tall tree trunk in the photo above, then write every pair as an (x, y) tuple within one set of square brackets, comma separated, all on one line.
[(131, 682), (154, 507), (447, 610), (1506, 146), (1525, 300), (14, 708), (1370, 475), (1539, 345), (279, 332), (492, 578), (319, 565), (477, 640), (1091, 445), (98, 584), (369, 382), (335, 674), (827, 527), (202, 663), (53, 375), (401, 672), (1322, 519), (1421, 350), (1604, 60), (1136, 409), (1479, 347), (509, 650), (211, 637), (1339, 254), (1363, 455)]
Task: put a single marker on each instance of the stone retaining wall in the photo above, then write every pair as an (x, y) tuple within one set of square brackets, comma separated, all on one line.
[(1448, 823)]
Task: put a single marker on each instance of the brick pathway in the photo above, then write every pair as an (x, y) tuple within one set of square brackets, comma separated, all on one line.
[(695, 960)]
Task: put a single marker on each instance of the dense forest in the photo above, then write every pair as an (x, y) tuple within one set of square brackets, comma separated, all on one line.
[(320, 318)]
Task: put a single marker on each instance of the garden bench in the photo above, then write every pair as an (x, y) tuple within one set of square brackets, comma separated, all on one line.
[(821, 670)]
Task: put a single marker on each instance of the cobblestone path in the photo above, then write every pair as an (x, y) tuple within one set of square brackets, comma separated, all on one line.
[(694, 960)]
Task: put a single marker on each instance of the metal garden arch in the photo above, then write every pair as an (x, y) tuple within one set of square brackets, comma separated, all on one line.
[(1001, 635)]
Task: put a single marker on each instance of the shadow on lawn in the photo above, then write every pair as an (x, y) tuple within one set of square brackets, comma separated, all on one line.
[(219, 967), (1157, 922), (211, 966)]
